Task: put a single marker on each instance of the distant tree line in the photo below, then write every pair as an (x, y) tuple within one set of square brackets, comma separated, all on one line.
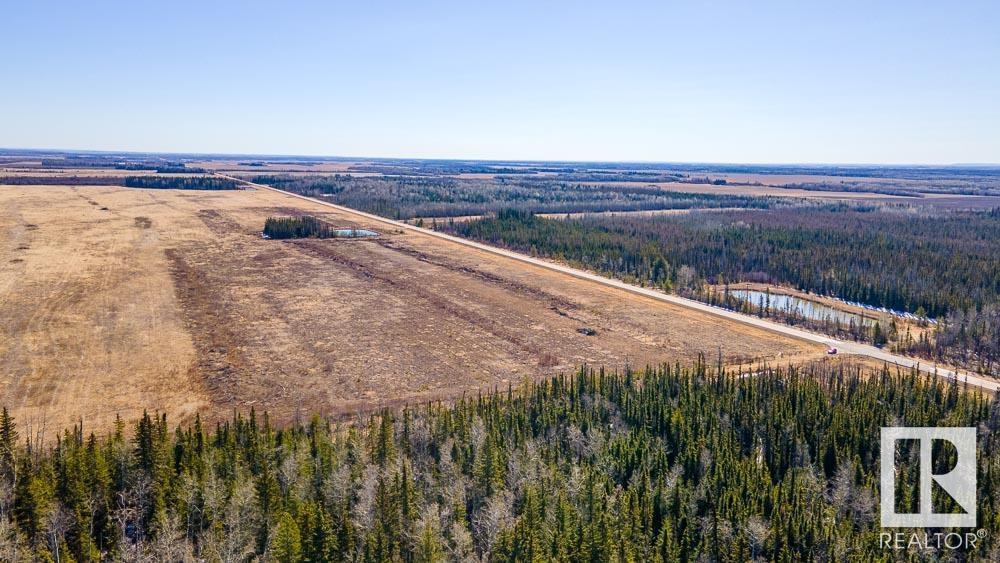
[(987, 187), (610, 176), (668, 464), (943, 179), (433, 196), (73, 161), (161, 167), (57, 180), (182, 182), (983, 175)]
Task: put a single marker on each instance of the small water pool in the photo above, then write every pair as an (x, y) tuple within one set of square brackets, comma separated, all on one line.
[(802, 307), (354, 233)]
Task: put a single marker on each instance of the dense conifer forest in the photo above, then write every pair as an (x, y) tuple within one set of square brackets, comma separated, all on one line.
[(941, 264), (182, 182), (306, 226), (668, 464), (952, 260), (433, 196)]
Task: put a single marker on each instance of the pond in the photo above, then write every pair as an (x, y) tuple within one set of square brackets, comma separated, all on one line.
[(354, 233), (801, 307)]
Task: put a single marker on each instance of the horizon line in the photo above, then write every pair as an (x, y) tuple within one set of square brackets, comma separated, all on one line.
[(506, 160)]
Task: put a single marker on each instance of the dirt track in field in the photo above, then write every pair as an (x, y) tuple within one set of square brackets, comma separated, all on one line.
[(113, 300)]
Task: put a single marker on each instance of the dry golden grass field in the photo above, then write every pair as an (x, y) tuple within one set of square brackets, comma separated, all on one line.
[(114, 300)]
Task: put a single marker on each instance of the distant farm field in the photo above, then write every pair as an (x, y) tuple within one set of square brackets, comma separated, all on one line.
[(114, 300)]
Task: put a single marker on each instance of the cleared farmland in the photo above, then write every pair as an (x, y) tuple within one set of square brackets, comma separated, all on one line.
[(113, 300)]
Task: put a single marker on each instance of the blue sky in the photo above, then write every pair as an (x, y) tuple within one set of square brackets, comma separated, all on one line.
[(864, 82)]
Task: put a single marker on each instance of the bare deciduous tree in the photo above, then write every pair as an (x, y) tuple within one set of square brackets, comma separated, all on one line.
[(494, 516)]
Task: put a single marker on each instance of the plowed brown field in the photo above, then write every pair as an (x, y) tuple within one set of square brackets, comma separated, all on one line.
[(114, 300)]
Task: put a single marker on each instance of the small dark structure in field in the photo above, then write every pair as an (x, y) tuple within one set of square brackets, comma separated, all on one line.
[(308, 226)]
